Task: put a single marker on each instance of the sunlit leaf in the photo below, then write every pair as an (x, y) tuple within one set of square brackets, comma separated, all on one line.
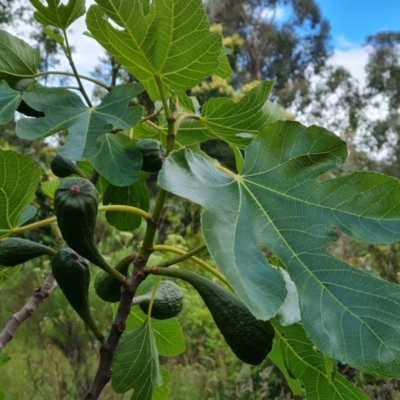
[(49, 188), (158, 41), (227, 120), (52, 32), (56, 14), (19, 177), (17, 59)]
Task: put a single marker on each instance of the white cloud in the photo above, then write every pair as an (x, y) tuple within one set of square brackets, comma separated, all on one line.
[(354, 60)]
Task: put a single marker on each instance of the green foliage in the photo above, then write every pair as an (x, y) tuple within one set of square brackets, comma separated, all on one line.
[(160, 44), (283, 199), (276, 203), (135, 363), (17, 59), (135, 195), (18, 181), (309, 368), (118, 160), (65, 110), (56, 14)]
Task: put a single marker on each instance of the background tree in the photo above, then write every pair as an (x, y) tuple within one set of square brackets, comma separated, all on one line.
[(286, 40), (382, 97)]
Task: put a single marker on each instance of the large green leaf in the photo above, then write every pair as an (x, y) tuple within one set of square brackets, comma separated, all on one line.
[(167, 333), (119, 160), (65, 110), (56, 14), (135, 364), (279, 203), (303, 365), (19, 177), (17, 59), (165, 39)]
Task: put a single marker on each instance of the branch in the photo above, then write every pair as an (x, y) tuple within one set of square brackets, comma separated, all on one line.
[(68, 53), (39, 295), (107, 350), (52, 220), (87, 78)]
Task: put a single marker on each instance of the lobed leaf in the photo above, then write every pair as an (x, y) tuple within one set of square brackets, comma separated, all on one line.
[(278, 202), (56, 14), (168, 40), (65, 110)]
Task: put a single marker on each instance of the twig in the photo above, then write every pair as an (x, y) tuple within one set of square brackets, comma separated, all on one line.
[(38, 296), (107, 350)]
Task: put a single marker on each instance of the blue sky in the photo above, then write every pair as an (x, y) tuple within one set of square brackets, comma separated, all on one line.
[(353, 20)]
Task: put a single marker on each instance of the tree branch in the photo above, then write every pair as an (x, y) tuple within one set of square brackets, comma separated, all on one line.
[(39, 295), (107, 350)]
